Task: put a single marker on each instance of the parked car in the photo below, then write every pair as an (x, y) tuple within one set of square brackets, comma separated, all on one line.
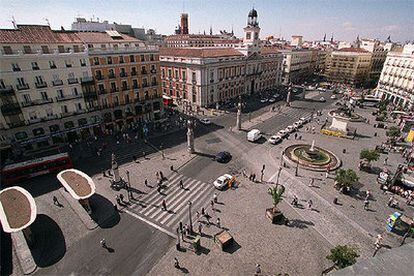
[(272, 100), (264, 100), (205, 121), (333, 97), (275, 139), (223, 157), (221, 182), (306, 119), (291, 129), (298, 124), (322, 99), (282, 133)]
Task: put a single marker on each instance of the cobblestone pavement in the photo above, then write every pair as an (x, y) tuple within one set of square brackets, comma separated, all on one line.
[(314, 231)]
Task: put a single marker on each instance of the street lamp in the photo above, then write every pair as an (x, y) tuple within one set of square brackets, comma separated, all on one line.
[(129, 192), (189, 214), (297, 168)]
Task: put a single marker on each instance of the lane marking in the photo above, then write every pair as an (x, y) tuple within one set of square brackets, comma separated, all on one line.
[(169, 233)]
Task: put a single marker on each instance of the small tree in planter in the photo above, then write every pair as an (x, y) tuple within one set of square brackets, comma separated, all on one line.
[(368, 156), (274, 213), (393, 133), (344, 179), (343, 256)]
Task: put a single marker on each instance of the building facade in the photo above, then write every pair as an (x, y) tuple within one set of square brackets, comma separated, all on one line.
[(298, 65), (126, 76), (349, 65), (44, 79), (396, 82), (60, 86), (201, 76)]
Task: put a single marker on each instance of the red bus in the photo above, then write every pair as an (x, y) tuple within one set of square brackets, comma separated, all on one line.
[(13, 173)]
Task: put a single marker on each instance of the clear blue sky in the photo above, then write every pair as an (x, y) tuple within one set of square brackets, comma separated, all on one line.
[(310, 18)]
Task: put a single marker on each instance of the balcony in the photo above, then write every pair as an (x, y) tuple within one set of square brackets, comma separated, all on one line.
[(68, 97), (57, 82), (86, 79), (16, 124), (23, 86), (41, 84), (99, 77), (37, 102), (16, 69), (6, 90), (123, 75), (124, 88), (111, 76), (133, 73), (73, 80), (10, 109), (114, 90), (102, 92)]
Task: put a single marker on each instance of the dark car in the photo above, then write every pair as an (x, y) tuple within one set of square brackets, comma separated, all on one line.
[(223, 157)]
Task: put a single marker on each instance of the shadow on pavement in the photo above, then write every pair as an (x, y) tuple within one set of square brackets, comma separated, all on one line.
[(301, 224), (49, 243), (103, 213), (205, 154), (232, 248), (48, 183), (6, 260)]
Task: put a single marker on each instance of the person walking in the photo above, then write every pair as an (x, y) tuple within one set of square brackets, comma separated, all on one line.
[(366, 204), (164, 205), (311, 182), (176, 263), (146, 182), (203, 212), (200, 228), (212, 205), (161, 175), (386, 161), (310, 203), (118, 200), (172, 168), (207, 216), (103, 243), (218, 223), (181, 184), (56, 201), (121, 197), (215, 197), (258, 270)]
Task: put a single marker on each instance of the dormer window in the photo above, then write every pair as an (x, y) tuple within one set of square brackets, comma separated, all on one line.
[(248, 35)]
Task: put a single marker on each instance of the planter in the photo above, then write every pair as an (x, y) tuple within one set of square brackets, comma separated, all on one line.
[(275, 216)]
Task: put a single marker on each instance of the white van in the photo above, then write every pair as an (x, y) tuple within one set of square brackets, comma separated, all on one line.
[(253, 135)]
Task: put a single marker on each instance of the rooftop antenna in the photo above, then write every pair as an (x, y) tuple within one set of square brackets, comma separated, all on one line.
[(47, 21), (14, 22)]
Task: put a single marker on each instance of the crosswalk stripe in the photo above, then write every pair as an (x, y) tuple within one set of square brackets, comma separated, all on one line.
[(155, 192), (179, 215), (156, 210), (158, 198), (175, 208)]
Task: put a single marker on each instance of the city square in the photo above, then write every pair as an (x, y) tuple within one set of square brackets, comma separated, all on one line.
[(205, 154)]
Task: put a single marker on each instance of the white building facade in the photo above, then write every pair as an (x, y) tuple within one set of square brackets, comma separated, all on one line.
[(397, 78)]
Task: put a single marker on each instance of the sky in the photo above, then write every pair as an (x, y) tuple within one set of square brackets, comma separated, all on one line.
[(345, 19)]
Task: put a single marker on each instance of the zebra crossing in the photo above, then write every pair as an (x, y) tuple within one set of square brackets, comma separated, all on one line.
[(177, 198)]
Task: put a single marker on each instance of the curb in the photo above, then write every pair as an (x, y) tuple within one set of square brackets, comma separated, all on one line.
[(78, 209), (23, 253)]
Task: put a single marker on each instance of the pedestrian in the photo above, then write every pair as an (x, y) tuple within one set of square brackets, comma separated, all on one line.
[(181, 184), (55, 201), (104, 174), (254, 177), (146, 182), (118, 200), (200, 228), (375, 134), (300, 137), (134, 158), (103, 243), (250, 177), (157, 175), (296, 136), (386, 161), (366, 204), (197, 215), (164, 205), (207, 218), (172, 168), (218, 223), (368, 195), (121, 197), (161, 175), (180, 226), (203, 213), (159, 189), (176, 263), (258, 270), (311, 182), (335, 200), (295, 201), (215, 197), (310, 204), (212, 205)]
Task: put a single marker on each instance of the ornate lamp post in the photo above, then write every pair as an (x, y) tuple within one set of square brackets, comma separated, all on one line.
[(238, 121), (190, 136), (189, 214)]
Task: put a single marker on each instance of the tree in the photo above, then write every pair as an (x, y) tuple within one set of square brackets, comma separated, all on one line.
[(343, 256), (393, 132), (346, 178), (276, 193), (369, 155)]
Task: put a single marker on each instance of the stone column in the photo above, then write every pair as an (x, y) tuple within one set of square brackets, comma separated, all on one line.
[(289, 94), (190, 136), (238, 121), (115, 170)]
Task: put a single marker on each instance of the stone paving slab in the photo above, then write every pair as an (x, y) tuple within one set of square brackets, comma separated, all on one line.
[(23, 253)]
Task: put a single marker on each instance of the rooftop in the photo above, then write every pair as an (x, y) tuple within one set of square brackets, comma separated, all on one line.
[(35, 34), (354, 50), (200, 52), (105, 37)]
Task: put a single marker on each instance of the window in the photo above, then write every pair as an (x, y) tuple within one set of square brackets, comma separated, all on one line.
[(39, 79), (38, 131), (68, 125), (169, 73), (44, 95), (76, 48), (21, 135), (151, 57), (109, 60), (121, 59), (103, 46), (176, 74), (131, 58), (60, 93), (163, 73), (78, 106), (96, 60), (21, 82), (68, 63), (133, 71), (15, 67), (142, 58), (75, 91), (183, 73), (127, 98), (26, 98), (83, 62), (27, 49), (45, 49), (52, 64), (248, 35), (82, 122), (111, 73), (71, 75), (64, 109), (7, 50), (54, 128), (135, 83), (61, 48), (194, 77)]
